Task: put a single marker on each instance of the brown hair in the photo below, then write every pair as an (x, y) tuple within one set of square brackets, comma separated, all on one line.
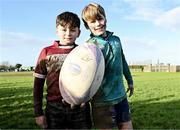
[(68, 19), (92, 12)]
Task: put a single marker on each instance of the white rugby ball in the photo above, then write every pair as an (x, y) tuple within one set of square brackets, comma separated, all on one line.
[(81, 74)]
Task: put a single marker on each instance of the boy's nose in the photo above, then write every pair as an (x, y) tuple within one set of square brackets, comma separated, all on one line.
[(97, 22)]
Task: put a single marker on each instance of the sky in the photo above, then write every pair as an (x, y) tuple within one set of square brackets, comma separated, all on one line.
[(149, 29)]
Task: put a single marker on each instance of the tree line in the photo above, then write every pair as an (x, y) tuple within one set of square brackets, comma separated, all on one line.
[(5, 66)]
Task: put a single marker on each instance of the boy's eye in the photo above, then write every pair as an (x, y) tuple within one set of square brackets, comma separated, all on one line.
[(92, 21), (73, 30), (63, 29), (99, 18)]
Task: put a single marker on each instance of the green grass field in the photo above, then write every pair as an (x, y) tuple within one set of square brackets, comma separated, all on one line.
[(154, 105)]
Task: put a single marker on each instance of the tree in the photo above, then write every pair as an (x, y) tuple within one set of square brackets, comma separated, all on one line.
[(18, 66), (4, 66)]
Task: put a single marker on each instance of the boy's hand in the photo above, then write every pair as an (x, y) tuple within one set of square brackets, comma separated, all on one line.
[(131, 89), (82, 105), (72, 105), (41, 121)]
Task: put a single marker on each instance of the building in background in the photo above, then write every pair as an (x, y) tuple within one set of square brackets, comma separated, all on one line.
[(161, 68)]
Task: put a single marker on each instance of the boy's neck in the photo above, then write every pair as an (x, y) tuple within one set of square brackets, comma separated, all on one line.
[(66, 46), (104, 35), (61, 45)]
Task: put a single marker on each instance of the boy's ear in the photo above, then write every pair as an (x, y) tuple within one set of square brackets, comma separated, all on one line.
[(79, 33), (56, 32)]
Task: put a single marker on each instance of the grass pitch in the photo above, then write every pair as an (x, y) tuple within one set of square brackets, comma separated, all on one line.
[(154, 105)]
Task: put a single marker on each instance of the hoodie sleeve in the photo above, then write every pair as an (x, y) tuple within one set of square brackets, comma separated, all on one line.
[(126, 70)]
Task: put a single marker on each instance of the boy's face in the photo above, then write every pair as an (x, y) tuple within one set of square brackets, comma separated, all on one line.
[(98, 26), (67, 35)]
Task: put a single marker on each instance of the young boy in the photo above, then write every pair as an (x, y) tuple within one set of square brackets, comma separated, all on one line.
[(58, 114), (110, 102)]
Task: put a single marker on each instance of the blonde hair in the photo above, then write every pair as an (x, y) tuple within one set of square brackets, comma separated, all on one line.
[(92, 12)]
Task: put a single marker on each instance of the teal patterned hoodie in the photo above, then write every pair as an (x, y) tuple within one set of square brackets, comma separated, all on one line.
[(112, 89)]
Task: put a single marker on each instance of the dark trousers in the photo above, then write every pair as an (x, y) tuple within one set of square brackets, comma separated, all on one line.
[(62, 116)]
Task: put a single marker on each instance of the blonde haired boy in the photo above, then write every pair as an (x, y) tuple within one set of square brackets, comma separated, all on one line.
[(109, 106)]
